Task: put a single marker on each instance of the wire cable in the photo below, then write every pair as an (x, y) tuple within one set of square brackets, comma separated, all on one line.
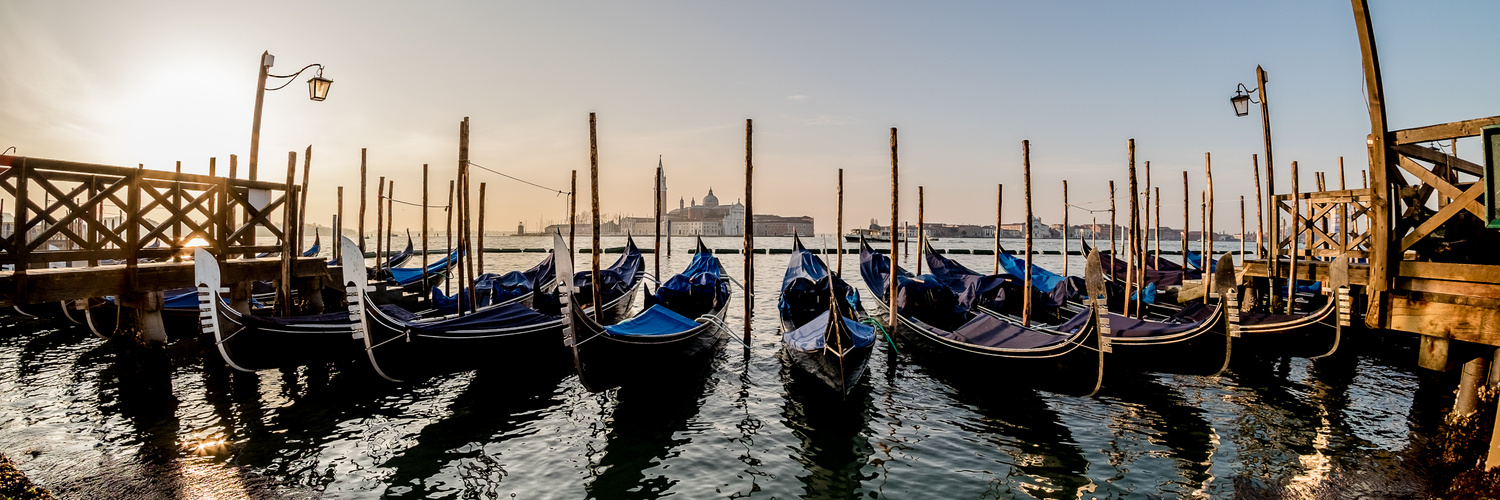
[(502, 174)]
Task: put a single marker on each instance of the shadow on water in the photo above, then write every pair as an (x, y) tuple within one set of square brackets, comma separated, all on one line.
[(643, 428), (490, 410), (833, 431)]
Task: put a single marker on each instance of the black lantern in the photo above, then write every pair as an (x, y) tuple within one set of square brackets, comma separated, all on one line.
[(317, 86), (1241, 102)]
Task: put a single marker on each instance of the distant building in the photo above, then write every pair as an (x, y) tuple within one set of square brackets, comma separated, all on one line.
[(775, 225)]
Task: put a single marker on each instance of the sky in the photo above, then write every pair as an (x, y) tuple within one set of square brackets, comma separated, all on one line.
[(156, 82)]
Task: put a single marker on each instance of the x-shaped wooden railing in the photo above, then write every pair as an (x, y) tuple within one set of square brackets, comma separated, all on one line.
[(63, 213)]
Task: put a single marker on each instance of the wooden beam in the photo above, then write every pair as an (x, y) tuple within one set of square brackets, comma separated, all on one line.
[(1439, 157), (1437, 220), (1457, 321), (56, 284), (1382, 259), (1444, 131), (1441, 185), (1452, 272)]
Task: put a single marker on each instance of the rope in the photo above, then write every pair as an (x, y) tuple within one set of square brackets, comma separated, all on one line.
[(496, 172), (873, 322), (721, 327), (419, 205)]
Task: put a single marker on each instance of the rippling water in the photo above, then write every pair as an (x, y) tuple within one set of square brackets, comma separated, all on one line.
[(85, 422)]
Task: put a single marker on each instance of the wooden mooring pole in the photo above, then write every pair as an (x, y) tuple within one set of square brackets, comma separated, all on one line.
[(479, 248), (426, 282), (1208, 222), (1291, 280), (1157, 229), (749, 233), (921, 237), (379, 225), (1113, 253), (999, 211), (288, 238), (895, 216), (1026, 177), (1132, 238), (448, 237), (573, 214), (1260, 219), (594, 196), (656, 249), (364, 196), (302, 199), (1066, 209), (338, 228), (839, 234), (390, 216), (1187, 223)]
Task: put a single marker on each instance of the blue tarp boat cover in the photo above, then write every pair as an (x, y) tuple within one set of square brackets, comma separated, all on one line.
[(493, 288), (1150, 294), (409, 275), (809, 336), (655, 320), (697, 290), (804, 288), (1041, 278)]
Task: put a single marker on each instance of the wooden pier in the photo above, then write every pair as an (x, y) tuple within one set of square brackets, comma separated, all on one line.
[(85, 230), (1412, 250)]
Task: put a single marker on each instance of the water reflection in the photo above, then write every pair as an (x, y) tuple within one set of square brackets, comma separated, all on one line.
[(1149, 409), (644, 423), (833, 431)]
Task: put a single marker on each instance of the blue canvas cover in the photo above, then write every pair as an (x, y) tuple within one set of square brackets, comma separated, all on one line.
[(1041, 278), (409, 275), (1149, 295), (655, 320), (810, 336)]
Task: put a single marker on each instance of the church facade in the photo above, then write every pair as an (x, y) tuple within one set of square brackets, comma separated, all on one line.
[(707, 219)]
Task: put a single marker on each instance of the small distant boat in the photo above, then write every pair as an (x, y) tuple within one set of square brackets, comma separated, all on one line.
[(1068, 358), (834, 351), (677, 329), (878, 235)]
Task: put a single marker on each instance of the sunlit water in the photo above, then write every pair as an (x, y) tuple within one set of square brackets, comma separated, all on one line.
[(78, 420)]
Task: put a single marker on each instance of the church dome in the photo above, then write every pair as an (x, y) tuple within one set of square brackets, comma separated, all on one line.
[(710, 200)]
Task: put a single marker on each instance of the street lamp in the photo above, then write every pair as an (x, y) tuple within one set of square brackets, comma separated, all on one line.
[(317, 88), (1241, 100)]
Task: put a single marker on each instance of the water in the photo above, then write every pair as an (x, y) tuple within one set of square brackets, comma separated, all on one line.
[(83, 422)]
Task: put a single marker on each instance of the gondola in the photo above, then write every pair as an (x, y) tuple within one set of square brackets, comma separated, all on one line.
[(835, 352), (249, 342), (512, 332), (1192, 341), (1307, 334), (1066, 360), (677, 330)]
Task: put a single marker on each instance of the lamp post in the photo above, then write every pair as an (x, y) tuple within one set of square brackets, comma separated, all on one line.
[(1241, 102), (317, 88)]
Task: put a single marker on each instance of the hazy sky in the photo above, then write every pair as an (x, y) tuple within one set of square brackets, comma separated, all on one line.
[(156, 82)]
